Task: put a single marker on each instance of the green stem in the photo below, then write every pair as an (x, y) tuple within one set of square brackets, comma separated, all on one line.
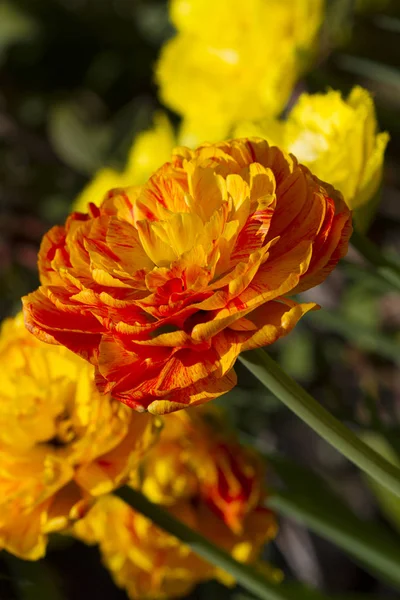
[(318, 418), (248, 577), (308, 498), (362, 540), (365, 274), (387, 268)]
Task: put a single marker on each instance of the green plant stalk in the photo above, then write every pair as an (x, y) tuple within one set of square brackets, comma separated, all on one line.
[(309, 498), (362, 540), (387, 268), (365, 273), (248, 577), (268, 372), (373, 70)]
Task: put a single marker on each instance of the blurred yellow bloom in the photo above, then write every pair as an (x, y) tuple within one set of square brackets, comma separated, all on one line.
[(168, 472), (336, 138), (207, 480), (150, 149), (196, 455), (151, 564), (60, 440), (232, 60), (144, 560)]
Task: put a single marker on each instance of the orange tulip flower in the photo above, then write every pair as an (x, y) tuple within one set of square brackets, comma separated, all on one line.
[(165, 284)]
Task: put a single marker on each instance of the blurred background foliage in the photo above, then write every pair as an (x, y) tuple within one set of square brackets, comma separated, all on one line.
[(76, 86)]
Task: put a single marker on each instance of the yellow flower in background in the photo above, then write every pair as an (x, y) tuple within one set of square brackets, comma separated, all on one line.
[(205, 478), (197, 455), (233, 60), (144, 560), (151, 564), (336, 138), (60, 440), (150, 149), (168, 472)]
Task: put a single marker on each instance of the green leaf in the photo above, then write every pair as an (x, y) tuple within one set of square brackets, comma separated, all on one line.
[(15, 26), (79, 144), (153, 22), (362, 337), (339, 21), (309, 410), (310, 500), (388, 503), (359, 304), (298, 590), (387, 23), (297, 358), (386, 266), (247, 576), (370, 278), (303, 592), (370, 69)]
